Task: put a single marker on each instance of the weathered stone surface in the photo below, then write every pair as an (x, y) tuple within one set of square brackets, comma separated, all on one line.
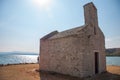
[(73, 51)]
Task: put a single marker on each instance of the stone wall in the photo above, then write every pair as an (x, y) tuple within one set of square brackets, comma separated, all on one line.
[(94, 43), (64, 55)]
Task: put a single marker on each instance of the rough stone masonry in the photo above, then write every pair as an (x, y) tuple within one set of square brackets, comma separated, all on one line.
[(77, 52)]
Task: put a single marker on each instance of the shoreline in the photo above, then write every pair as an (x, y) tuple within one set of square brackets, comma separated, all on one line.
[(16, 64), (35, 63)]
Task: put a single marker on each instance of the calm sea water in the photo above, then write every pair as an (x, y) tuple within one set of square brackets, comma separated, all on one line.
[(15, 59), (113, 61)]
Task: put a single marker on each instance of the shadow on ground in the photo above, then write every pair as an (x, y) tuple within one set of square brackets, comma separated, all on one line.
[(45, 75)]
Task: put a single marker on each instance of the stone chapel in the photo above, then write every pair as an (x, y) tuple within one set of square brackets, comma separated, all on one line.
[(77, 52)]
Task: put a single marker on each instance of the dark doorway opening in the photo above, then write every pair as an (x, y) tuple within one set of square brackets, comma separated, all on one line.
[(96, 62)]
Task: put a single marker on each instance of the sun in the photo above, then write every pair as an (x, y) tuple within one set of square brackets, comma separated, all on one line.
[(42, 3)]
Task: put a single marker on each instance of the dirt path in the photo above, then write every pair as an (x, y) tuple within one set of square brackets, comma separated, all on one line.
[(27, 72), (19, 72)]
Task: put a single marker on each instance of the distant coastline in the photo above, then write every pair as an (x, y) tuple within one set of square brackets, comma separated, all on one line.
[(112, 55), (109, 52), (113, 52), (18, 53)]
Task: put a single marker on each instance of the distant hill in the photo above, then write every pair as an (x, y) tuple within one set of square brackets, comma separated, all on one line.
[(113, 52), (18, 53), (109, 52)]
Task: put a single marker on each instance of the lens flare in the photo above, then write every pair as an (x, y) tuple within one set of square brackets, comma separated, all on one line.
[(43, 3)]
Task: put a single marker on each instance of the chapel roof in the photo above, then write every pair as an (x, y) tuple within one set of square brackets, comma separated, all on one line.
[(66, 33)]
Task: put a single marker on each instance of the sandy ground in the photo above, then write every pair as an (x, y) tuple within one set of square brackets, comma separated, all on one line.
[(28, 72)]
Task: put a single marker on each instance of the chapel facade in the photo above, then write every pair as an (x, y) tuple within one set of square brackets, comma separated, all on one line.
[(77, 52)]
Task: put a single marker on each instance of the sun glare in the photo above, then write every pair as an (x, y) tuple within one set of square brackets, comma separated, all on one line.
[(42, 3)]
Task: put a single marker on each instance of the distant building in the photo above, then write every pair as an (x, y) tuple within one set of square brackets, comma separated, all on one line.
[(79, 51)]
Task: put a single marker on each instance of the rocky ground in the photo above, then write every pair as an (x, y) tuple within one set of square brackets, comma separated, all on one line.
[(28, 72)]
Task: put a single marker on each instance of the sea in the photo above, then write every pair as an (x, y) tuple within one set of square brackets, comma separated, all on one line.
[(16, 59), (113, 60)]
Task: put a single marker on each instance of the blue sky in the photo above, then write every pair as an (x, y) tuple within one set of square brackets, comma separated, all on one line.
[(24, 22)]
